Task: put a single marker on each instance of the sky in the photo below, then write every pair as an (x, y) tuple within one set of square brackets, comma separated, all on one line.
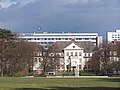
[(98, 16)]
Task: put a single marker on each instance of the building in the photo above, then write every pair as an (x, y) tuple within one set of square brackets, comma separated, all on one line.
[(77, 54), (46, 39), (111, 36), (74, 49), (73, 55)]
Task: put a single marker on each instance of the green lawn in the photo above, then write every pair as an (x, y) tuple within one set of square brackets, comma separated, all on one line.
[(59, 84)]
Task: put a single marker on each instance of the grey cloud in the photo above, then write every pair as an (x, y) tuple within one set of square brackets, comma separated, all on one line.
[(64, 15)]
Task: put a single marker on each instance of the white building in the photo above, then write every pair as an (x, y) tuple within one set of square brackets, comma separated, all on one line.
[(111, 36), (72, 55), (46, 38)]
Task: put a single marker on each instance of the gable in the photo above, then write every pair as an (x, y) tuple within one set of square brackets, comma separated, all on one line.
[(73, 46)]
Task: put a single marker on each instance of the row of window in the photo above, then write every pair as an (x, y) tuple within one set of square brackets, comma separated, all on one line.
[(77, 54), (73, 54), (115, 37), (37, 59), (59, 38), (51, 54), (74, 62), (115, 34)]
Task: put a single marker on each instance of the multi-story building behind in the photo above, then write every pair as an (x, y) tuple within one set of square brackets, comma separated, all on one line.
[(112, 36), (45, 38)]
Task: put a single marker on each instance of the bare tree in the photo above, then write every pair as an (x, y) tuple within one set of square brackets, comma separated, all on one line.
[(94, 62), (5, 37), (118, 55), (100, 59), (22, 61)]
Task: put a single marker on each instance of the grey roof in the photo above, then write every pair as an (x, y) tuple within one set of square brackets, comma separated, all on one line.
[(88, 46)]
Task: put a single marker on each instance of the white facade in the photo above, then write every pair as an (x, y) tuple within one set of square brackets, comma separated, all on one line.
[(73, 58), (111, 36), (49, 38), (73, 55)]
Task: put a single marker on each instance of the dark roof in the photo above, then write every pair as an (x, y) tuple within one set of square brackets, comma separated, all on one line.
[(114, 45), (60, 45), (88, 46)]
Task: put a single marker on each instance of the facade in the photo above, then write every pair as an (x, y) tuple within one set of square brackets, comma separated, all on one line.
[(77, 54), (73, 55), (45, 38), (113, 47), (111, 36)]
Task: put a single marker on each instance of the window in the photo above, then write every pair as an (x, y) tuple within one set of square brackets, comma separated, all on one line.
[(80, 60), (86, 38), (79, 53), (75, 53), (36, 54), (35, 59), (67, 53), (29, 39), (73, 46), (68, 61), (51, 54), (88, 66), (80, 66), (71, 53), (50, 42), (93, 38), (88, 54), (39, 59), (41, 42), (113, 53), (86, 60), (78, 38), (112, 58)]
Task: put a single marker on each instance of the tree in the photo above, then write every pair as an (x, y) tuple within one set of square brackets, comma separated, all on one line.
[(94, 62), (22, 61), (6, 34), (104, 59), (118, 55), (50, 60), (100, 59), (5, 37), (16, 56), (46, 60)]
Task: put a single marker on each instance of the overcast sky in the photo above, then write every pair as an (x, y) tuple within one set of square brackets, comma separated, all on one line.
[(60, 15)]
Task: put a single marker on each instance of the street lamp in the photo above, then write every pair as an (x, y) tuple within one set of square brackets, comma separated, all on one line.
[(69, 63)]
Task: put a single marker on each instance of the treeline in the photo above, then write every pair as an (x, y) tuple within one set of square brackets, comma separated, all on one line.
[(16, 56), (106, 58)]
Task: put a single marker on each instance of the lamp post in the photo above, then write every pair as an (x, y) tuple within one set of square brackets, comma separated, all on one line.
[(69, 63)]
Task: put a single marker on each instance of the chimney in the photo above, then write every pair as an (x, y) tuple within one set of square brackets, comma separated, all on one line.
[(73, 40)]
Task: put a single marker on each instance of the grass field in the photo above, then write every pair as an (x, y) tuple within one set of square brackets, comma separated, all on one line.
[(59, 83)]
